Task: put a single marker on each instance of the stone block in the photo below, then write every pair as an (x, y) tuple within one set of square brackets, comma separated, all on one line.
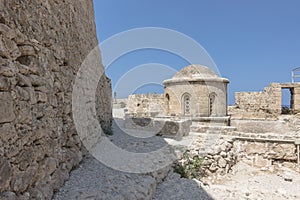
[(8, 133), (4, 84), (5, 174), (24, 81), (22, 94), (7, 31), (26, 50), (8, 69), (32, 96), (222, 162), (41, 97), (6, 107)]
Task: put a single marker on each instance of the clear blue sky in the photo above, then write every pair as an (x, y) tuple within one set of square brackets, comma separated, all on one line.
[(253, 43)]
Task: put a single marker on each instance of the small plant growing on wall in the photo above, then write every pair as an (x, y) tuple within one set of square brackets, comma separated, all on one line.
[(190, 167)]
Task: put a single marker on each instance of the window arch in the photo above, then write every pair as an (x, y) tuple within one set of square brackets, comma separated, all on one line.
[(167, 100), (212, 104), (186, 104)]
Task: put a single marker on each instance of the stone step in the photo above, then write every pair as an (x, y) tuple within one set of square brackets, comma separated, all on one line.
[(212, 129)]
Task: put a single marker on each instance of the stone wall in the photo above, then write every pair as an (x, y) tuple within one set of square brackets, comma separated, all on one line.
[(160, 126), (212, 154), (199, 92), (42, 44), (258, 104), (104, 104), (221, 159), (120, 103), (218, 160), (281, 126), (264, 153), (145, 105)]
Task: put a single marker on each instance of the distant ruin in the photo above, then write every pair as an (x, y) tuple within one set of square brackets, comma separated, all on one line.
[(267, 103), (195, 95), (195, 100)]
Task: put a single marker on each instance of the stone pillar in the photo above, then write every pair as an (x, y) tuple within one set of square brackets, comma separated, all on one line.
[(278, 100), (296, 100)]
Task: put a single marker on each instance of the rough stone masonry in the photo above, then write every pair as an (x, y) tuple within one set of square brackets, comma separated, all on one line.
[(42, 44)]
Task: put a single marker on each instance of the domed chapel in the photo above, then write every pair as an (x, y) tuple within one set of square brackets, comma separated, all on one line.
[(196, 91)]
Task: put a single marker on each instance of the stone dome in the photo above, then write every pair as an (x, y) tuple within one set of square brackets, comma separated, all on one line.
[(195, 71)]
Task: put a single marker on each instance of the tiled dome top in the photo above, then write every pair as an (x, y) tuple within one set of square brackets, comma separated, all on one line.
[(195, 71)]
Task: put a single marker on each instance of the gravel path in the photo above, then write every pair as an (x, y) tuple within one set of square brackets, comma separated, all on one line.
[(176, 188), (94, 180), (249, 182)]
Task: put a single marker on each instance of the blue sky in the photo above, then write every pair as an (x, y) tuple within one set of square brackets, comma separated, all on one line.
[(253, 43)]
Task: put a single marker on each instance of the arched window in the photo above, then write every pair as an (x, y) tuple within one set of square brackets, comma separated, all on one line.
[(167, 103), (186, 104), (212, 104), (167, 96)]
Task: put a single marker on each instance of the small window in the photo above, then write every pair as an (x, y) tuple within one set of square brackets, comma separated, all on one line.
[(212, 102), (167, 96), (186, 104)]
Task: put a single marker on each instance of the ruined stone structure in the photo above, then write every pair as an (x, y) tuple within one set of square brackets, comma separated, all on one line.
[(42, 45), (196, 91), (146, 105), (267, 103)]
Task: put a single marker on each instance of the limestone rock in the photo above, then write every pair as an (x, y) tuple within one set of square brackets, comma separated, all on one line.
[(24, 81), (7, 69), (22, 93), (4, 84), (5, 174), (6, 107), (7, 31), (222, 162), (26, 50), (8, 196)]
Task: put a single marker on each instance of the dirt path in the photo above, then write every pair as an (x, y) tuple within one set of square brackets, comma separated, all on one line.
[(249, 182)]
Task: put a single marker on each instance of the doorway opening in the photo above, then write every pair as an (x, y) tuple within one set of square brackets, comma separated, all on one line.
[(287, 101)]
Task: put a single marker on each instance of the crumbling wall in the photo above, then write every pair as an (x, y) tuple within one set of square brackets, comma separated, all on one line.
[(42, 44), (120, 103), (145, 105), (263, 153), (258, 104)]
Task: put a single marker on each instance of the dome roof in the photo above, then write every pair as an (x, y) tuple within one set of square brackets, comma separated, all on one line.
[(195, 71)]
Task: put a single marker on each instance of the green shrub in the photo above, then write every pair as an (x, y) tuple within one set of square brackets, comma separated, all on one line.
[(190, 167)]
